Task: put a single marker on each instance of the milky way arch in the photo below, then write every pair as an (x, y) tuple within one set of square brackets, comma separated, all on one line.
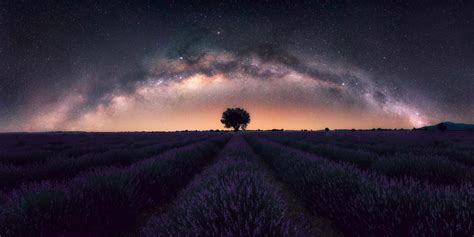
[(280, 89)]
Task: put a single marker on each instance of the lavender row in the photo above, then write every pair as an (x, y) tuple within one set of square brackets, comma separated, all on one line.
[(231, 198), (104, 202), (447, 149), (452, 146), (430, 168), (10, 141), (362, 203), (40, 153), (63, 169), (61, 141), (401, 138), (389, 144)]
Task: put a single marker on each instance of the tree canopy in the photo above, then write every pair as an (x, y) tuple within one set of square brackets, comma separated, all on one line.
[(236, 118)]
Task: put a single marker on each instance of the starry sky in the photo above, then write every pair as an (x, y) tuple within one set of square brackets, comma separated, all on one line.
[(168, 65)]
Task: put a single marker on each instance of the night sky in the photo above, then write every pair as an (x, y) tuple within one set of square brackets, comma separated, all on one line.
[(97, 66)]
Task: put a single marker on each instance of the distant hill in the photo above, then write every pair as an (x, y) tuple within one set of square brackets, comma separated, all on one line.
[(452, 126)]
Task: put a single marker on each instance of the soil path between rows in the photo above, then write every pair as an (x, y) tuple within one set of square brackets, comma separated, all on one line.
[(319, 226)]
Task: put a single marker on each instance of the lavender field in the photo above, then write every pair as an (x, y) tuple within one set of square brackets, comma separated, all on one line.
[(354, 183)]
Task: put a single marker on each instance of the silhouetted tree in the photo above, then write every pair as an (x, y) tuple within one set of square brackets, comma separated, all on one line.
[(326, 129), (236, 118), (442, 127)]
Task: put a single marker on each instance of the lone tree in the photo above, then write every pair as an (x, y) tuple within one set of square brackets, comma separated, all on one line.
[(235, 118)]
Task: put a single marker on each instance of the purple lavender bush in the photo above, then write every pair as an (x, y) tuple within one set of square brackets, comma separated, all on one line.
[(422, 166), (105, 202), (363, 203), (65, 168), (231, 198), (358, 157), (431, 168), (21, 157)]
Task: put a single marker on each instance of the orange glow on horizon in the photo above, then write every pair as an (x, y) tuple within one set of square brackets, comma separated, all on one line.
[(261, 118)]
